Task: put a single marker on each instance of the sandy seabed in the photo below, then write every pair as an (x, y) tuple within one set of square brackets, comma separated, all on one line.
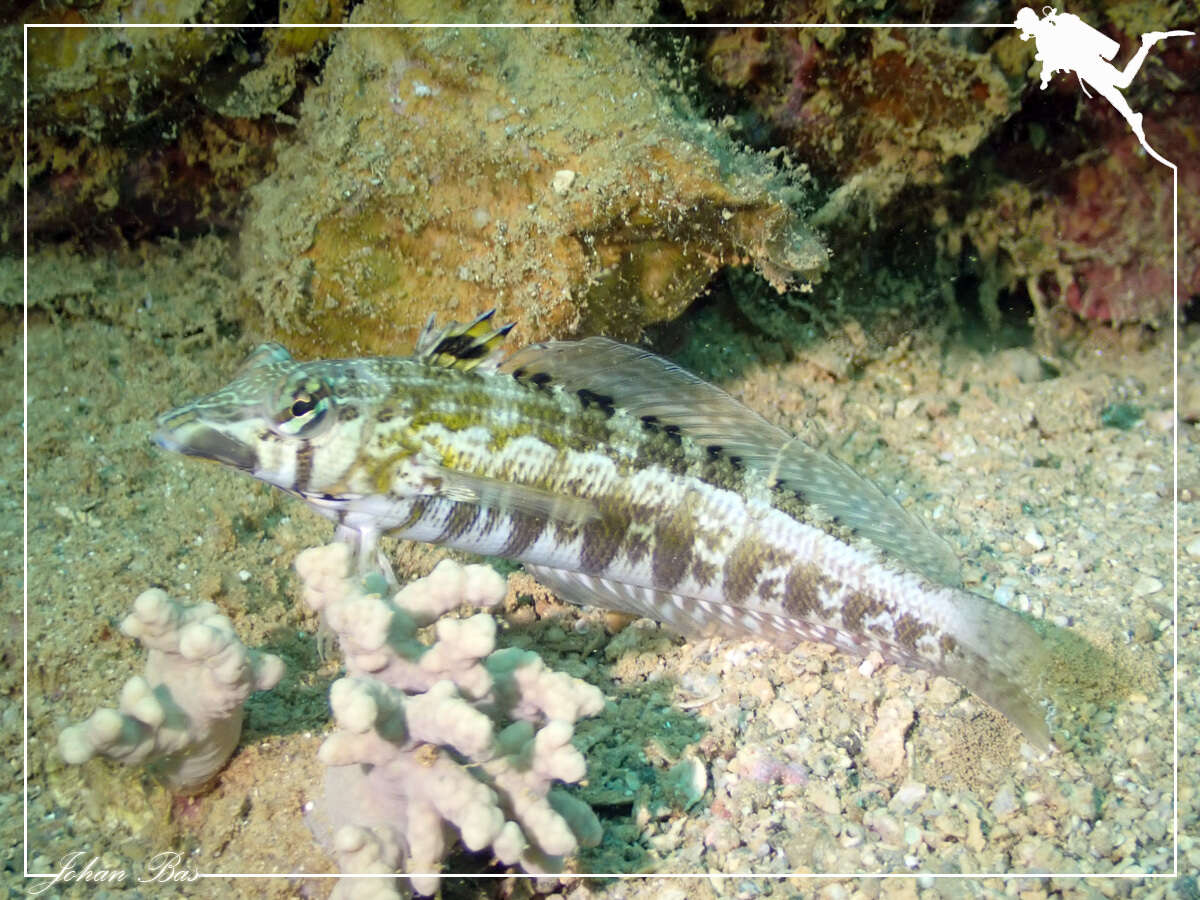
[(713, 756)]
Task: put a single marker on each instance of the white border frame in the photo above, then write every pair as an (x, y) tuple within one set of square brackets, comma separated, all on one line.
[(918, 876)]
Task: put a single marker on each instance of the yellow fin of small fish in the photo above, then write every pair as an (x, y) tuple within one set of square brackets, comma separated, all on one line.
[(657, 390), (463, 347)]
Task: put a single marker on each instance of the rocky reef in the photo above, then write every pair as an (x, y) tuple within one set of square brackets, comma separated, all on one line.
[(546, 173), (1059, 207), (138, 133), (560, 176)]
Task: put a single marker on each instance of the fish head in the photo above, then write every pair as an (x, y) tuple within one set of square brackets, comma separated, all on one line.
[(285, 422)]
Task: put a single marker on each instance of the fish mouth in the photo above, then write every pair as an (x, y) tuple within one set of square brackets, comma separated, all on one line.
[(204, 442)]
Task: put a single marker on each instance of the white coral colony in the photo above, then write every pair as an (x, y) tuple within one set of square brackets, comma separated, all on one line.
[(183, 717), (453, 737)]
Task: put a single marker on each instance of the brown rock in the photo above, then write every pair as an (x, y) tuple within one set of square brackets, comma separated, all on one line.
[(427, 177)]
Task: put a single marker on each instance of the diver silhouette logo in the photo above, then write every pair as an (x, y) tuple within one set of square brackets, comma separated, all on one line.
[(1065, 43)]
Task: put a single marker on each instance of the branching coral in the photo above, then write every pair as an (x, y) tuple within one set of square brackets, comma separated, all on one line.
[(184, 716), (447, 737), (367, 851)]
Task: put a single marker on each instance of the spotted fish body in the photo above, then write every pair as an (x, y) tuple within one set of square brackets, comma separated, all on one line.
[(619, 480)]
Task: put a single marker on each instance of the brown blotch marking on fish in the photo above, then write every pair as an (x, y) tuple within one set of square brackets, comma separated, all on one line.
[(767, 588), (304, 462), (745, 563), (462, 517), (525, 530), (382, 471), (419, 507), (723, 471), (859, 606), (948, 644), (674, 540), (704, 572), (541, 416), (655, 447), (637, 545), (909, 630), (802, 590), (565, 532), (602, 537), (348, 413), (490, 518)]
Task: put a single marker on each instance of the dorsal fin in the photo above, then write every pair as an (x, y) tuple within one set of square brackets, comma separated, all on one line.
[(656, 390), (264, 355), (463, 347)]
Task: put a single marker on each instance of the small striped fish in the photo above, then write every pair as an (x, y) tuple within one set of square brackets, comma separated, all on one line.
[(619, 480)]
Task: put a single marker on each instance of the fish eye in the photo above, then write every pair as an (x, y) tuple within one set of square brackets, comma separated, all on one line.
[(304, 408), (303, 405)]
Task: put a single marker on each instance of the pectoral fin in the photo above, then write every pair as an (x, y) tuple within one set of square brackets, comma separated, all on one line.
[(494, 493)]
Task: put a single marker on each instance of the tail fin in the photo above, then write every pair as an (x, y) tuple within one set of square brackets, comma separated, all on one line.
[(998, 656)]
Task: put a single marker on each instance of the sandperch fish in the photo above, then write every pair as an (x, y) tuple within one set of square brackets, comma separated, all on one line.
[(619, 480)]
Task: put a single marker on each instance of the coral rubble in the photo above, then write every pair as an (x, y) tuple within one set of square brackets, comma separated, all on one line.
[(452, 736), (182, 717)]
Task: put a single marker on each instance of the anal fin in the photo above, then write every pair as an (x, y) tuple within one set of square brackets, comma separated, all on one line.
[(689, 616)]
